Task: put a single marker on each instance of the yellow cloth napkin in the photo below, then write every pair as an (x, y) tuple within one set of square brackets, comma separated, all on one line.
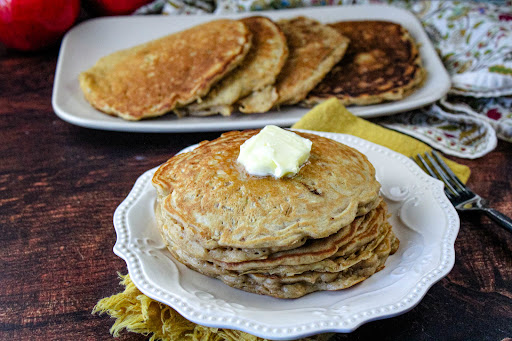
[(332, 116), (138, 313)]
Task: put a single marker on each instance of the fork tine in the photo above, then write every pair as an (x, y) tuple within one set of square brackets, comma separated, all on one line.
[(448, 189), (427, 167), (449, 172), (432, 173), (442, 174)]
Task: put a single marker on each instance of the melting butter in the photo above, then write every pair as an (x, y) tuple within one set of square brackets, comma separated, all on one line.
[(274, 151)]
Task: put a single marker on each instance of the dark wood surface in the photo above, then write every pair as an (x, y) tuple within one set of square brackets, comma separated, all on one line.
[(59, 187)]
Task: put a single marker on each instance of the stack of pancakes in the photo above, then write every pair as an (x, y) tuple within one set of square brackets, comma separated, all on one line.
[(324, 228), (253, 65)]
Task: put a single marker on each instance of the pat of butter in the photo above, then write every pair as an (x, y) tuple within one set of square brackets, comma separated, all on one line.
[(274, 151)]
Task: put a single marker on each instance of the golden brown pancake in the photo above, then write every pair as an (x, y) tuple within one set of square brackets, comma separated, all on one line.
[(342, 243), (258, 70), (347, 272), (220, 204), (372, 227), (259, 101), (314, 49), (382, 63), (153, 78)]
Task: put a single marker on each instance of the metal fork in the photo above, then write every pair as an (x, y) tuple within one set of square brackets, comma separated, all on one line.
[(459, 194)]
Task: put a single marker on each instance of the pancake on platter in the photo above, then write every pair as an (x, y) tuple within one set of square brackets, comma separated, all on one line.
[(257, 72), (314, 49), (382, 63), (324, 228), (151, 79)]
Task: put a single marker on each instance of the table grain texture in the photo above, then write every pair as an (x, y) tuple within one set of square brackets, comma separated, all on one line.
[(60, 185)]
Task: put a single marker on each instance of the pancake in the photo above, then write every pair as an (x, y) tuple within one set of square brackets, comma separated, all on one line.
[(171, 230), (258, 70), (342, 243), (303, 260), (259, 101), (300, 285), (153, 78), (219, 203), (382, 63), (314, 49), (314, 253), (297, 285)]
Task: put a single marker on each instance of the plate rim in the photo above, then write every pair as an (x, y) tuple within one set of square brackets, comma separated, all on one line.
[(411, 298), (434, 68)]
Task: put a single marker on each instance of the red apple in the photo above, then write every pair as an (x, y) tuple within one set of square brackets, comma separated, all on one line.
[(115, 7), (33, 24)]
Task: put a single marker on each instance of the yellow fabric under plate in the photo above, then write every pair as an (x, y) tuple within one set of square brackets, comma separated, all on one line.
[(332, 116), (138, 313)]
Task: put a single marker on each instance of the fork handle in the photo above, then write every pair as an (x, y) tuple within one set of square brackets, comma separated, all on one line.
[(500, 218)]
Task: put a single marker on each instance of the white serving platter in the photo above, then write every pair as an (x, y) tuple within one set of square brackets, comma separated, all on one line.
[(83, 45)]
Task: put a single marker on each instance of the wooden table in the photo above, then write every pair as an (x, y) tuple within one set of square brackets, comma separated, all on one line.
[(59, 187)]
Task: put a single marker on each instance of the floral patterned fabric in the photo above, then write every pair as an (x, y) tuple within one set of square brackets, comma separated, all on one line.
[(474, 40), (496, 111), (449, 130)]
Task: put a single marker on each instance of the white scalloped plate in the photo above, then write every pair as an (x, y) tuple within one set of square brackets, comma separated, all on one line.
[(422, 218)]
